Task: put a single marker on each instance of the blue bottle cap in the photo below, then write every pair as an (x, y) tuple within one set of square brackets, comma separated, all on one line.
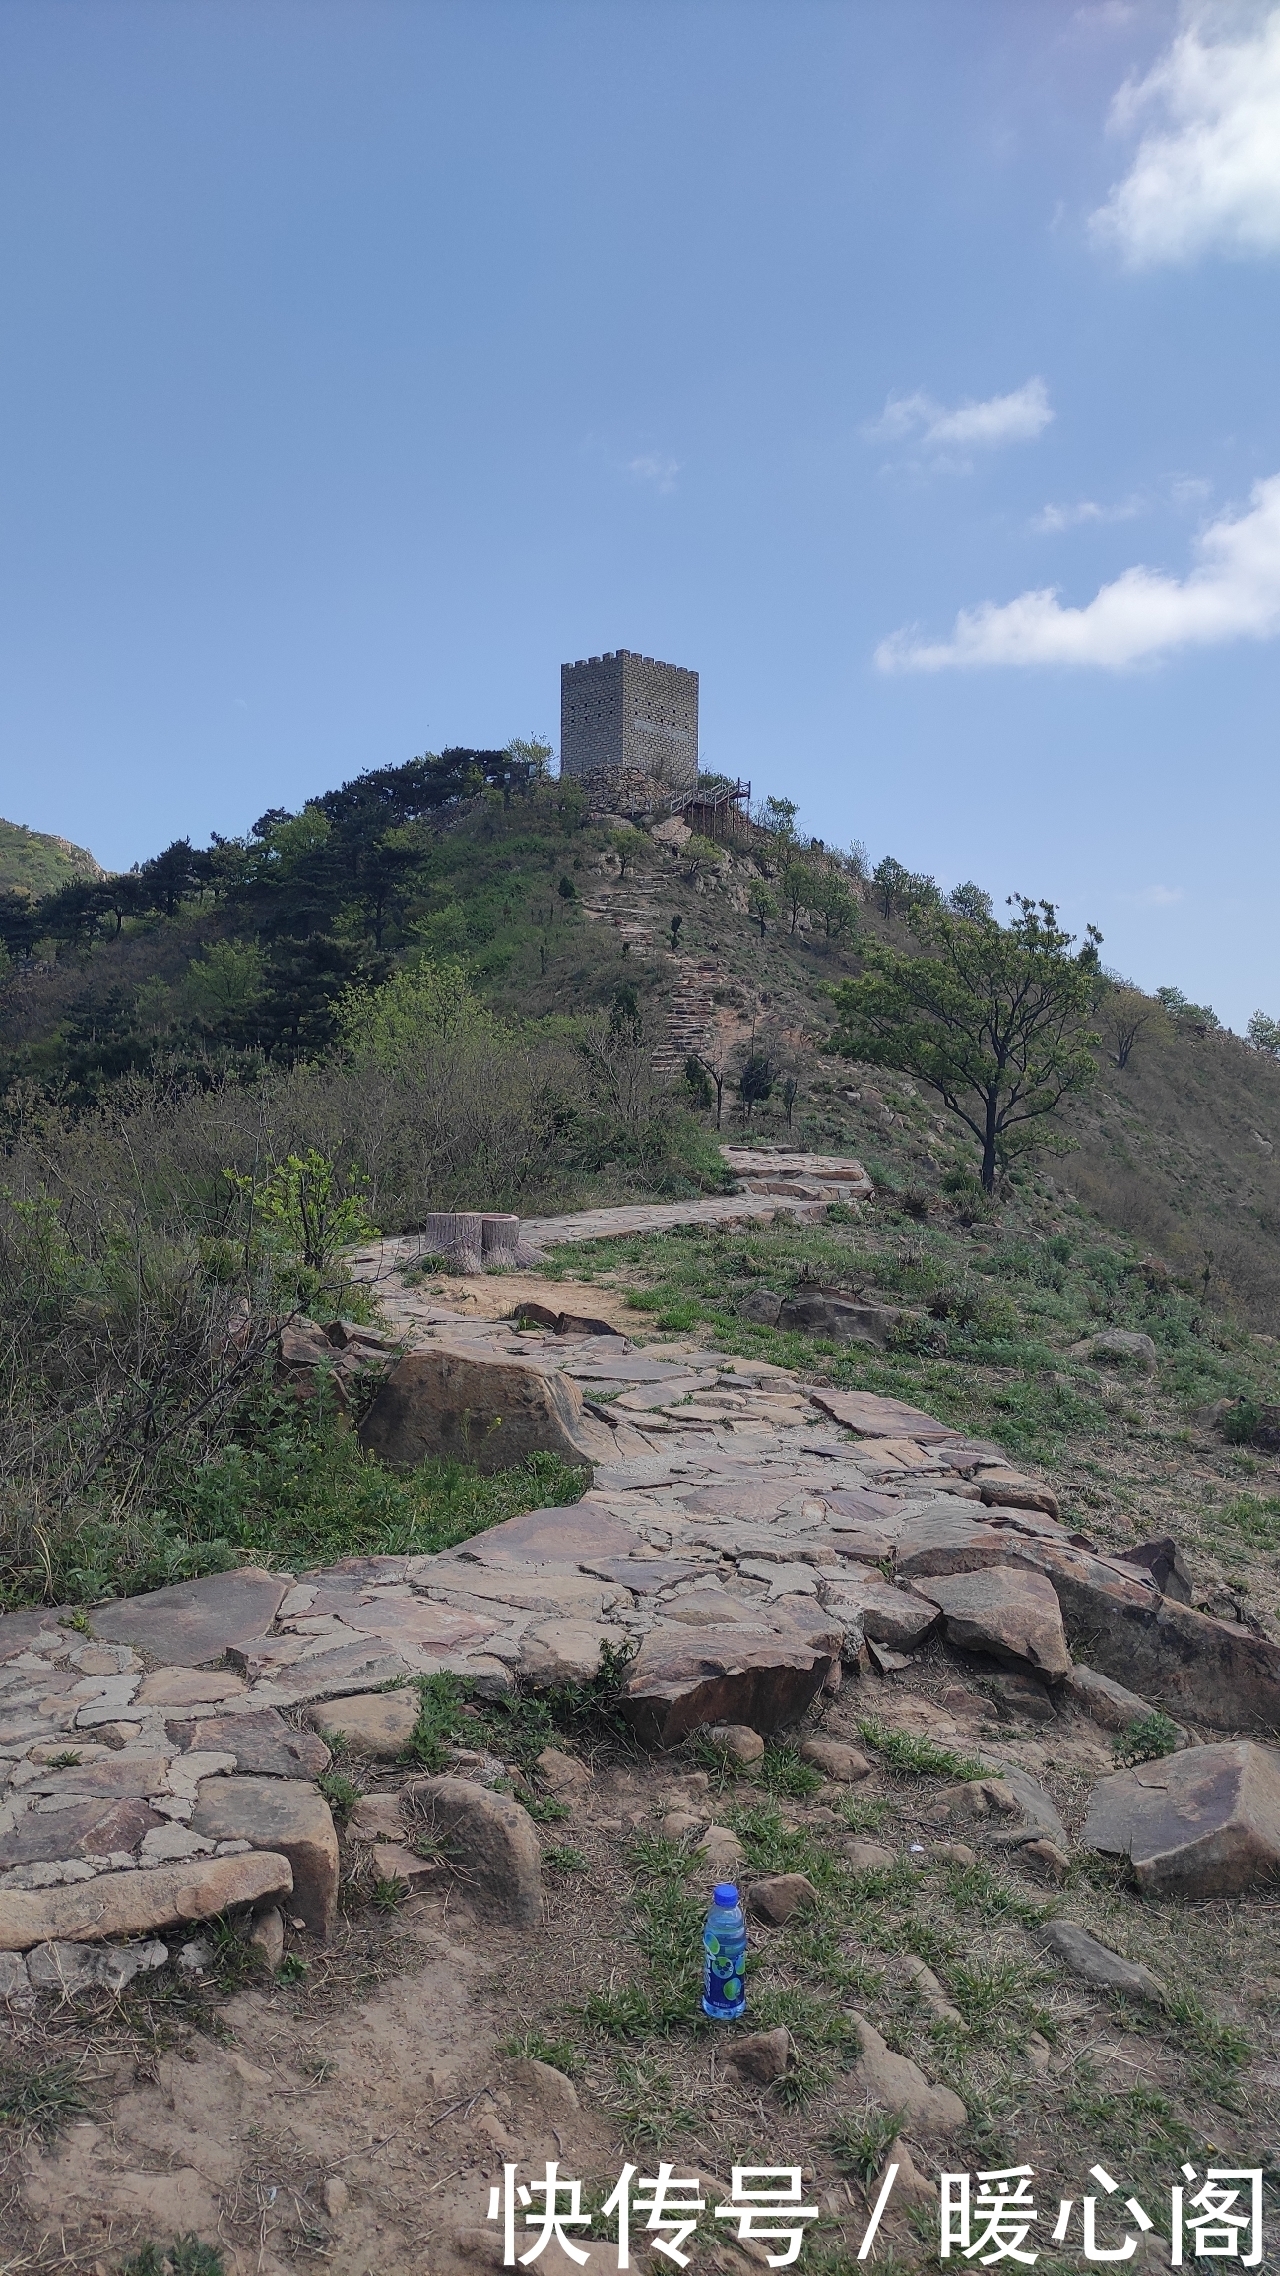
[(725, 1894)]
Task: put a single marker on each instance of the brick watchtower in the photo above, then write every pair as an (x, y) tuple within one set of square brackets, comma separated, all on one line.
[(624, 713)]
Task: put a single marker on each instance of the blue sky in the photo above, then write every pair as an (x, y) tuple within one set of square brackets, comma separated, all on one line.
[(908, 367)]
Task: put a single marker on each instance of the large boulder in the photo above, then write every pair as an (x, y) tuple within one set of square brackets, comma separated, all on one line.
[(1009, 1612), (846, 1319), (1103, 1699), (490, 1412), (490, 1841), (287, 1816), (1203, 1823), (1164, 1560), (866, 1605), (1209, 1671)]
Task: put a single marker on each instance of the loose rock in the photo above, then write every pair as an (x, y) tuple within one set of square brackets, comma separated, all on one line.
[(1096, 1964), (894, 2082), (868, 1857), (762, 2056), (836, 1760), (492, 1842), (266, 1937), (379, 1723), (562, 1773), (780, 1895), (74, 1968), (736, 1740)]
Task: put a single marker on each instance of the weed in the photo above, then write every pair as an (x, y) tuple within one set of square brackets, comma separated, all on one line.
[(648, 2113), (544, 1811), (535, 2046), (862, 1816), (186, 2256), (293, 1968), (68, 1761), (561, 1859), (917, 1758), (780, 1771), (859, 2142), (340, 1792), (1222, 2047), (993, 1995), (1147, 1738), (624, 2013), (975, 1888), (441, 1721), (41, 2101), (389, 1892)]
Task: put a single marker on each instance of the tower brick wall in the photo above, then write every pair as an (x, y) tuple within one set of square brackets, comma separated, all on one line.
[(624, 711)]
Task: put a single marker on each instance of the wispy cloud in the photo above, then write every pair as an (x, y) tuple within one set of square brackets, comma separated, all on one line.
[(1052, 519), (1153, 897), (1232, 593), (1206, 174), (972, 425), (655, 468)]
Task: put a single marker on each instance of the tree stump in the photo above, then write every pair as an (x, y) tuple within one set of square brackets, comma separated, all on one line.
[(500, 1237), (457, 1235)]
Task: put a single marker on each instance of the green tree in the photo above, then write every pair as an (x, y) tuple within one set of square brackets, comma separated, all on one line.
[(992, 1017), (755, 1083), (762, 904), (798, 883), (831, 900), (1264, 1034)]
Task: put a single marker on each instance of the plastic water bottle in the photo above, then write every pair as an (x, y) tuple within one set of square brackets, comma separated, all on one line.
[(724, 1943)]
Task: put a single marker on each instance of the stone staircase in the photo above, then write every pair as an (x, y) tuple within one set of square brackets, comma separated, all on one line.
[(691, 1020)]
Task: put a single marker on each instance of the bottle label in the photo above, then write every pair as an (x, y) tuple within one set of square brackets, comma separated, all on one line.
[(723, 1986)]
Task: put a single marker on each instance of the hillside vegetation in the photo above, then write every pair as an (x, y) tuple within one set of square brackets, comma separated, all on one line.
[(454, 984), (37, 864)]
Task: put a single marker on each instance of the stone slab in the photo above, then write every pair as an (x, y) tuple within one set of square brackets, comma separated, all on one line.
[(133, 1903), (260, 1740), (193, 1621)]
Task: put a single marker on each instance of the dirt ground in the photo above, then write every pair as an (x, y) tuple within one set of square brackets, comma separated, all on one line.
[(354, 2112)]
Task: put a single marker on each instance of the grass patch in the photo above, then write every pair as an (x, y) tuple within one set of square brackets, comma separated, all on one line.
[(41, 2101), (186, 2256), (861, 2140), (917, 1758)]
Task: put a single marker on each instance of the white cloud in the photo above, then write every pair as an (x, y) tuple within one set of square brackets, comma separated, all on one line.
[(1052, 519), (1015, 418), (1232, 593), (1154, 897), (1207, 174), (655, 468)]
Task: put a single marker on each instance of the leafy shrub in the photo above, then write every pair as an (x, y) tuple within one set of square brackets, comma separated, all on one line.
[(1147, 1738)]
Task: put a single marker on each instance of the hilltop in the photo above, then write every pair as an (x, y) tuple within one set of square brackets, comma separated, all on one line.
[(38, 863), (580, 933)]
